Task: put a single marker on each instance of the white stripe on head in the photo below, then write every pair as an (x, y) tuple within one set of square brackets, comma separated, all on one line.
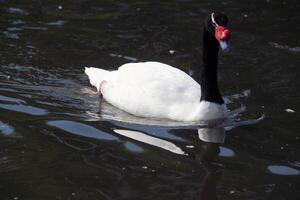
[(214, 23)]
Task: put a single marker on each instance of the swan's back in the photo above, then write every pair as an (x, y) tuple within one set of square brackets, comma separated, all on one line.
[(152, 89), (157, 81)]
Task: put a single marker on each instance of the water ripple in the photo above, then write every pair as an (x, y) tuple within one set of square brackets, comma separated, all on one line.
[(31, 110), (11, 99), (19, 11), (80, 129), (6, 129), (7, 164), (142, 137), (283, 170), (226, 152), (133, 147)]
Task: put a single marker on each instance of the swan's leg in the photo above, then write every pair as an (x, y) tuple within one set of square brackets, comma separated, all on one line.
[(89, 91), (101, 85)]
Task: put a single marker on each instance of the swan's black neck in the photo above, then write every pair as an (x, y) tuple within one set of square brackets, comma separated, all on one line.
[(209, 76)]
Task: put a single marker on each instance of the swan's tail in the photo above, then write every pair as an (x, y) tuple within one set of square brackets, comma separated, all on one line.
[(96, 76)]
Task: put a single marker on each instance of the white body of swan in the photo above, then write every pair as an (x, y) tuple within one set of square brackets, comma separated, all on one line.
[(155, 90)]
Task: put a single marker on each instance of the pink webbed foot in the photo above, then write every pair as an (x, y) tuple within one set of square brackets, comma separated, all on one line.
[(101, 86)]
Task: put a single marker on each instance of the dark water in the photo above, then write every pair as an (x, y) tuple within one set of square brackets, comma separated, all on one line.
[(55, 144)]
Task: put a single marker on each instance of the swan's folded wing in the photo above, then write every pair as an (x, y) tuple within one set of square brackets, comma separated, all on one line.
[(151, 89)]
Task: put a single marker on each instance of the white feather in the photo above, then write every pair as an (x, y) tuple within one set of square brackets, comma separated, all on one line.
[(153, 89), (97, 75)]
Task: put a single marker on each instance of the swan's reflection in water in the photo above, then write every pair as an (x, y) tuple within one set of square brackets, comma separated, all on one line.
[(209, 150), (212, 135), (142, 137), (212, 138), (100, 110)]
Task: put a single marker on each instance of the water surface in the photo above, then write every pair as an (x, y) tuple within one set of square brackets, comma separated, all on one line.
[(56, 143)]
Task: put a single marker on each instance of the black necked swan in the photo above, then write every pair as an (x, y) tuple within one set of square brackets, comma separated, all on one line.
[(157, 90)]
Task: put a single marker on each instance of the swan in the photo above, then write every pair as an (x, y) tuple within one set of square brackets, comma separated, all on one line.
[(157, 90)]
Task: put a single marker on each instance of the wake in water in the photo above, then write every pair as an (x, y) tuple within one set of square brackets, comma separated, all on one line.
[(47, 94), (101, 110), (29, 81), (60, 104)]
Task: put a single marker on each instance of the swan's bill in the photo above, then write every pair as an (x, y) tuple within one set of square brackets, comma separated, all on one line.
[(224, 45)]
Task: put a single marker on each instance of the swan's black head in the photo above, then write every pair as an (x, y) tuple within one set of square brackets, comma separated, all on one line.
[(217, 25)]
